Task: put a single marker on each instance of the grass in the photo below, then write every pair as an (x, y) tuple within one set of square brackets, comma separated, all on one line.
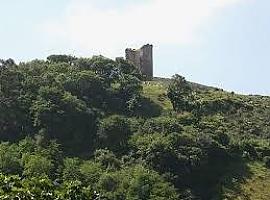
[(254, 187), (156, 91)]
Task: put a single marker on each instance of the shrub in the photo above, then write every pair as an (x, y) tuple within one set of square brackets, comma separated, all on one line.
[(113, 133), (71, 171), (266, 160), (9, 159), (37, 166)]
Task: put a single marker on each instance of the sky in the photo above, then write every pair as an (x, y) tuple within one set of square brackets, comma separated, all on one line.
[(222, 43)]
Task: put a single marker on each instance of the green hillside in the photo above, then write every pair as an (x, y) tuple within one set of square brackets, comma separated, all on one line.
[(248, 180), (254, 185), (93, 128)]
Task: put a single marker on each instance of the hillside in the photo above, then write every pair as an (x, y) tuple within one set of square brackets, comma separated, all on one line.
[(251, 181), (92, 128)]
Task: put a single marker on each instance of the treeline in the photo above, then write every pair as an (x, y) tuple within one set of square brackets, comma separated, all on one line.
[(82, 128)]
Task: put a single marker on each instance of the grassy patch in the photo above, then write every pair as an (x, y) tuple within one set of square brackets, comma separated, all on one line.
[(156, 91), (254, 187)]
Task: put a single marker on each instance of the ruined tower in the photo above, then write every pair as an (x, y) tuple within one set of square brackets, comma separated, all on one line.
[(143, 59)]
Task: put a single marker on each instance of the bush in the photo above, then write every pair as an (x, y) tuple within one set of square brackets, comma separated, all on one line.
[(37, 166), (71, 171), (113, 133), (9, 159), (91, 172), (266, 160), (107, 159), (161, 125)]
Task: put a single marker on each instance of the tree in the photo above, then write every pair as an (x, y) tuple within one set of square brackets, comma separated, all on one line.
[(101, 66), (86, 85), (129, 86), (135, 182), (179, 93), (74, 190), (13, 188), (113, 133), (126, 67), (64, 117), (13, 116), (61, 58), (148, 185)]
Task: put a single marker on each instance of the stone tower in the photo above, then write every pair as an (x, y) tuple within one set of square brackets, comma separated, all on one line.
[(143, 59)]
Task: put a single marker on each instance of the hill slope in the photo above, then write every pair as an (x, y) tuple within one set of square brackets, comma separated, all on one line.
[(92, 128), (250, 181)]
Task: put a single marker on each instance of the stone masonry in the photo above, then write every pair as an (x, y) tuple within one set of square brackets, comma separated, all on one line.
[(143, 59)]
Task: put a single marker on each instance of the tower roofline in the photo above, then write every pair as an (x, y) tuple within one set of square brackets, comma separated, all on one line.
[(147, 45)]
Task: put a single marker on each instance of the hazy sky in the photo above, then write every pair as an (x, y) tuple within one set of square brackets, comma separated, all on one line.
[(224, 43)]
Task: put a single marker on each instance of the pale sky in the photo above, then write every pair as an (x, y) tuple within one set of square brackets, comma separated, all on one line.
[(223, 43)]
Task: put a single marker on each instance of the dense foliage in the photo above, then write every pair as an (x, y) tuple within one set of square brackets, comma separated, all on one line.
[(84, 128)]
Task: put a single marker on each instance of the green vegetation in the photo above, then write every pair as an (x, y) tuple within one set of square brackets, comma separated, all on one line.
[(156, 91), (92, 128), (251, 183)]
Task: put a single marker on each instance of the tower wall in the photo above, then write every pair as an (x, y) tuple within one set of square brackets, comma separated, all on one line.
[(146, 60), (142, 58)]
